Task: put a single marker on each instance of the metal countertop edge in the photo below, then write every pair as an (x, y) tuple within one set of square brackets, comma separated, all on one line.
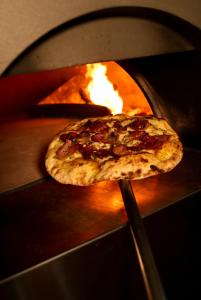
[(75, 248)]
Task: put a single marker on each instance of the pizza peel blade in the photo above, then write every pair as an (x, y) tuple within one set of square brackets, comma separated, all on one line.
[(151, 279)]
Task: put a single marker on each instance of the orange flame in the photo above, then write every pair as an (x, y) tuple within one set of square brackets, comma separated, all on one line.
[(101, 90)]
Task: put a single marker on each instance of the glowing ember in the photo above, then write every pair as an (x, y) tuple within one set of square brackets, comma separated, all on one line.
[(101, 90)]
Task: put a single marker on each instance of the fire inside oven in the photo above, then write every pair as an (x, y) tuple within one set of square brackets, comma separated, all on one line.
[(105, 84)]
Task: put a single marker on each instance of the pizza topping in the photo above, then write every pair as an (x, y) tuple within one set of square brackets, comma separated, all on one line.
[(120, 150), (134, 142), (117, 125), (68, 136), (150, 142), (63, 137), (63, 150), (102, 153), (138, 124), (87, 151), (136, 148), (73, 148), (144, 136), (83, 137), (97, 126), (138, 134), (84, 134), (98, 137), (154, 141)]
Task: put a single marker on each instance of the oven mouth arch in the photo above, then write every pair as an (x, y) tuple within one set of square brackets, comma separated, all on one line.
[(185, 29)]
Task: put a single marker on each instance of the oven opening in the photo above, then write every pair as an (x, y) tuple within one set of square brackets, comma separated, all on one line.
[(104, 84), (93, 89)]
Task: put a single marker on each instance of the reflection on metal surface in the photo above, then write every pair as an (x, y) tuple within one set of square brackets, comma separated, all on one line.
[(46, 219), (157, 192), (112, 204), (104, 268), (19, 137)]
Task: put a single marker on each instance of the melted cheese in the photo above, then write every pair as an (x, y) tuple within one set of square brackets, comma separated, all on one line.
[(151, 130), (98, 145), (73, 156)]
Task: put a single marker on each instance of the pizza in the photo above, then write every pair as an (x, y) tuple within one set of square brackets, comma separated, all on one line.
[(113, 148)]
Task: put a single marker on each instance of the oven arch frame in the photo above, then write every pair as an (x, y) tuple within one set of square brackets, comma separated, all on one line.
[(185, 29)]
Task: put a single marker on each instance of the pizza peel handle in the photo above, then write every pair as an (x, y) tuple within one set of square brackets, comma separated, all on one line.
[(153, 286)]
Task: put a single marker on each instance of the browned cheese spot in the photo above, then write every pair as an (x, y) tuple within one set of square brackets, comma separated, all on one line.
[(54, 169), (138, 172), (130, 162), (143, 159), (155, 168)]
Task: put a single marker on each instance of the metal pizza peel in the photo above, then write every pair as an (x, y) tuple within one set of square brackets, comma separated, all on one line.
[(150, 275), (151, 279)]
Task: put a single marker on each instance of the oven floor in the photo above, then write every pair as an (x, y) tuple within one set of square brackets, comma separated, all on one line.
[(23, 146)]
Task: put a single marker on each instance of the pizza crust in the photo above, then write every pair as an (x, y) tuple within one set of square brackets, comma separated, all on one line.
[(141, 165), (77, 170)]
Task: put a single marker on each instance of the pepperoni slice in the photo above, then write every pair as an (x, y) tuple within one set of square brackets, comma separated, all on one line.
[(73, 148), (63, 137), (98, 137), (68, 136), (67, 148), (155, 141), (150, 142), (63, 150), (120, 150), (138, 124), (138, 134), (87, 151), (102, 153), (97, 126), (144, 136), (117, 125), (137, 148)]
